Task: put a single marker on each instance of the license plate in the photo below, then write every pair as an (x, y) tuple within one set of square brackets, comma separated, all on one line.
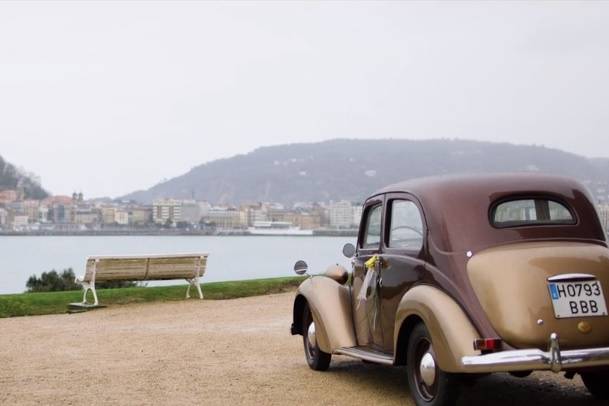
[(577, 299)]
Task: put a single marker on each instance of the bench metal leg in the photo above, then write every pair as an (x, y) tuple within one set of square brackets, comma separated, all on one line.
[(194, 282), (89, 287), (85, 286), (198, 285), (94, 295)]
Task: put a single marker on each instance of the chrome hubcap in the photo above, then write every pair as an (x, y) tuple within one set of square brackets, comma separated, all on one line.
[(311, 335), (425, 372), (427, 369)]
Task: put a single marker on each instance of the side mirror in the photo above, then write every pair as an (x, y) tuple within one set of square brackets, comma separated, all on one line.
[(301, 267), (349, 250)]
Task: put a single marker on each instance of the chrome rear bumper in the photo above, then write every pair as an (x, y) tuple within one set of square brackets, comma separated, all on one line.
[(534, 359)]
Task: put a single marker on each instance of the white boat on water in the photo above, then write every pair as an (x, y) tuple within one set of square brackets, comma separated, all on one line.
[(277, 228)]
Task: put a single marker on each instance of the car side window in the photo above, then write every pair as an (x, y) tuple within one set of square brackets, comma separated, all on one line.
[(406, 226), (372, 238)]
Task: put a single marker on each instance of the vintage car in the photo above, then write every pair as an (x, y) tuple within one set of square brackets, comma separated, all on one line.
[(460, 276)]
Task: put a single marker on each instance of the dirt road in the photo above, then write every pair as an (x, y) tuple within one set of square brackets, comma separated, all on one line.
[(211, 352)]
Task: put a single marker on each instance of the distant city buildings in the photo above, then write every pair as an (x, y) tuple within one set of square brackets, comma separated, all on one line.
[(75, 214)]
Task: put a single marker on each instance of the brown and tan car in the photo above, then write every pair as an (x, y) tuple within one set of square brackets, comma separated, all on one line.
[(466, 275)]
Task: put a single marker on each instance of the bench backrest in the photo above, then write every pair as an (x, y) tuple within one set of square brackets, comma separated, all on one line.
[(142, 268)]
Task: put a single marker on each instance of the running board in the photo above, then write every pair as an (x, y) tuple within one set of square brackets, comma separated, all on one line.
[(365, 354)]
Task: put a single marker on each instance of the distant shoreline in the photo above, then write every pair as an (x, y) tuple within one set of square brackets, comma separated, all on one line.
[(170, 233)]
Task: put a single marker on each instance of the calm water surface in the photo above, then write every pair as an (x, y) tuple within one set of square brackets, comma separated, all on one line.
[(231, 258)]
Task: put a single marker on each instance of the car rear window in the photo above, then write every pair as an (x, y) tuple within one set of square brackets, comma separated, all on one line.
[(525, 212)]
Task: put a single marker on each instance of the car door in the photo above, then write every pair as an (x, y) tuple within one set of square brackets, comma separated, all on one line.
[(365, 298), (402, 255)]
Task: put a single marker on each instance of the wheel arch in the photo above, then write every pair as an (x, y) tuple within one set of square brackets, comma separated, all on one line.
[(330, 305), (451, 331)]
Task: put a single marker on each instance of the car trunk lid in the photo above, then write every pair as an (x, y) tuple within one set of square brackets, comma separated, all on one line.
[(515, 284)]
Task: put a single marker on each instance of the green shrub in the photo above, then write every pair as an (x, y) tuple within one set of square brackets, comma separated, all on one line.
[(53, 281)]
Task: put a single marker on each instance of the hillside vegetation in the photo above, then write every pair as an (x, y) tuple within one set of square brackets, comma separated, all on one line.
[(352, 169), (12, 179)]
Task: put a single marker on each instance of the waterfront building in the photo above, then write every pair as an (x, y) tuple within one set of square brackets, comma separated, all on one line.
[(85, 215), (108, 215), (140, 216), (192, 211), (306, 221), (14, 208), (166, 210), (357, 214), (61, 213), (113, 216), (31, 210), (341, 214), (323, 211), (19, 222), (8, 196), (43, 214), (121, 217), (278, 215), (253, 213), (225, 218)]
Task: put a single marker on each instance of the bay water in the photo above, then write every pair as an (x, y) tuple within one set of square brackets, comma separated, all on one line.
[(230, 257)]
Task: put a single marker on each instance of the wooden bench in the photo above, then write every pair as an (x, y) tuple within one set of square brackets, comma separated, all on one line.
[(142, 268)]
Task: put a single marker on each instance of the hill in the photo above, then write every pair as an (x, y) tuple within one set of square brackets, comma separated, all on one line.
[(351, 169), (11, 178)]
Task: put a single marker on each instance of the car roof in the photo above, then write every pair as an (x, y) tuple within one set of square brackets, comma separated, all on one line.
[(457, 207), (487, 184)]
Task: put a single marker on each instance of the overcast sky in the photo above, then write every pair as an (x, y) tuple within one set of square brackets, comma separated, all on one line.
[(110, 97)]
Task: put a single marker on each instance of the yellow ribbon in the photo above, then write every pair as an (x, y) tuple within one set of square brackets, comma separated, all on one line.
[(371, 263)]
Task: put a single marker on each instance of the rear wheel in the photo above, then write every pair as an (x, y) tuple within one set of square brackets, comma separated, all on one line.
[(597, 383), (316, 358), (429, 385)]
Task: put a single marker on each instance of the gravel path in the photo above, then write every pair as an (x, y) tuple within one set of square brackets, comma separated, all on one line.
[(212, 352)]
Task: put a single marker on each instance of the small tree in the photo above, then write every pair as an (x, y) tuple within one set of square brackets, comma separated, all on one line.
[(53, 281)]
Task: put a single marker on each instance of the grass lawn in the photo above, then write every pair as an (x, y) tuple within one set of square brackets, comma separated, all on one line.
[(28, 304)]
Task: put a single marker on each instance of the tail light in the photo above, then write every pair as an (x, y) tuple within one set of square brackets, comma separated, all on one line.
[(487, 344)]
